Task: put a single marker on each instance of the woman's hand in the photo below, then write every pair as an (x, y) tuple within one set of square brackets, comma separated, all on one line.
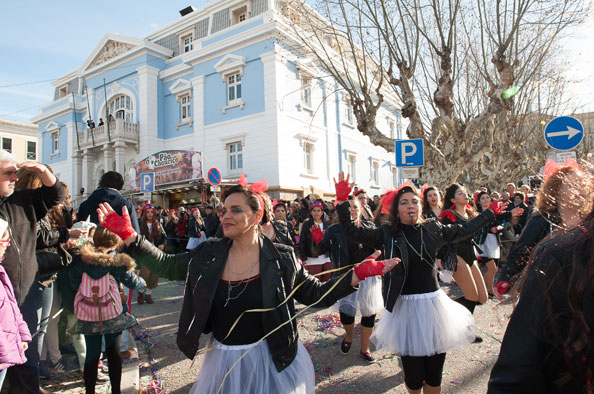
[(119, 225), (517, 212), (77, 232), (498, 207), (371, 267), (343, 187)]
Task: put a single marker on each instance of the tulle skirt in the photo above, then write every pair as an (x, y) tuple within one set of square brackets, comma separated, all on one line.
[(255, 373), (424, 325), (490, 248), (193, 242), (367, 300)]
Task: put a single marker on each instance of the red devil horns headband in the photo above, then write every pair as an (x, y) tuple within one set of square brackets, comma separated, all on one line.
[(256, 188), (552, 167), (389, 197)]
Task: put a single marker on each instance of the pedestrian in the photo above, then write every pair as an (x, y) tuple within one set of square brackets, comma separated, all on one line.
[(489, 243), (153, 232), (97, 273), (196, 229), (281, 214), (432, 204), (312, 233), (211, 221), (368, 299), (22, 210), (171, 230), (243, 271), (14, 334), (366, 212), (547, 347), (420, 323)]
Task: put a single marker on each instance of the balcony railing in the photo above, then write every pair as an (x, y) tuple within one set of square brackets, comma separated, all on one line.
[(119, 130)]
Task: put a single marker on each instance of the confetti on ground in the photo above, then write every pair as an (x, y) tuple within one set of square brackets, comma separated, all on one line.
[(328, 323), (143, 336)]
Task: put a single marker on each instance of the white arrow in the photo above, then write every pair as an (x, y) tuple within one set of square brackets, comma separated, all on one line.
[(570, 133)]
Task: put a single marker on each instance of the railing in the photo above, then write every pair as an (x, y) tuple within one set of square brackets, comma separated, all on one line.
[(119, 130)]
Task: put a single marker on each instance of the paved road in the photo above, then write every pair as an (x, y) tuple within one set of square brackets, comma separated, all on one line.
[(466, 370)]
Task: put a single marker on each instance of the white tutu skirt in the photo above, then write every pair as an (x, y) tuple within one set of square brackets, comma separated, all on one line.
[(424, 325), (194, 242), (490, 248), (255, 373), (367, 300)]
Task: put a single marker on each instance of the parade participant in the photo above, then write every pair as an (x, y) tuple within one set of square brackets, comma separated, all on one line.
[(489, 243), (196, 229), (368, 299), (153, 232), (548, 347), (311, 235), (243, 271), (420, 323), (461, 256), (22, 209), (431, 202), (94, 263), (558, 206)]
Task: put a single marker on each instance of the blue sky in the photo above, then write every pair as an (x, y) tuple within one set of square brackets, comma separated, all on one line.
[(43, 40)]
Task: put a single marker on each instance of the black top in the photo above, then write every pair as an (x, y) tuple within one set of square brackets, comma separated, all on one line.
[(358, 252), (249, 296), (465, 248), (422, 276)]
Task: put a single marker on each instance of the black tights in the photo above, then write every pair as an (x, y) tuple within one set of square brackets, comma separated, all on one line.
[(420, 370), (366, 321), (112, 350)]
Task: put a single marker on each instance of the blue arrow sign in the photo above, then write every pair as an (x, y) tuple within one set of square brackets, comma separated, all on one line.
[(147, 182), (409, 153), (564, 133), (214, 177)]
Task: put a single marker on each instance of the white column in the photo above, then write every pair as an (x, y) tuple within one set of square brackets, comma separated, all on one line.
[(77, 181), (148, 109), (198, 116), (120, 157), (107, 158), (273, 89), (88, 167)]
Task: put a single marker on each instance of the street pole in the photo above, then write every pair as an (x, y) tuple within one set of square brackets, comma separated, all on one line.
[(75, 121), (106, 117)]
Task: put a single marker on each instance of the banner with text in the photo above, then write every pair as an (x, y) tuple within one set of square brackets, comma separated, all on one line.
[(169, 166)]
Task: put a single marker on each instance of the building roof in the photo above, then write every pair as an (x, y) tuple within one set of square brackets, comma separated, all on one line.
[(12, 126)]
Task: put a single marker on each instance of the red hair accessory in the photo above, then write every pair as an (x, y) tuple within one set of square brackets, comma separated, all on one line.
[(424, 189), (256, 188), (147, 206), (552, 167), (316, 204), (448, 214), (389, 197)]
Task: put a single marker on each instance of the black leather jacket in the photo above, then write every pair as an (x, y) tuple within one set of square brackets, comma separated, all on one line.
[(202, 269), (335, 241), (394, 245), (531, 358), (307, 246)]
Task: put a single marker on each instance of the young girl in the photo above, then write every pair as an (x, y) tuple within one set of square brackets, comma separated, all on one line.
[(14, 334), (312, 233), (97, 261)]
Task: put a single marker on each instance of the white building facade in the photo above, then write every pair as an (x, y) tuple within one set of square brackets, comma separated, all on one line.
[(19, 138), (223, 83)]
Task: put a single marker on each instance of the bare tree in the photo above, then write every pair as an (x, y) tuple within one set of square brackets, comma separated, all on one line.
[(454, 65)]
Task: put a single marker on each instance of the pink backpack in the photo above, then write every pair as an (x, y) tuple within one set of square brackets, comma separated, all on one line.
[(97, 300)]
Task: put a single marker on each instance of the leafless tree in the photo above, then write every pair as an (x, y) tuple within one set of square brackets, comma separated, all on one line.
[(453, 65)]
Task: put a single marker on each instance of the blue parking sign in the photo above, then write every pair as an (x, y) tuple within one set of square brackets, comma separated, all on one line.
[(147, 182), (409, 153)]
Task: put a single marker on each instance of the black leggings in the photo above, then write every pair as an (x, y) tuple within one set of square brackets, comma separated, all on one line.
[(112, 350), (366, 321), (419, 370)]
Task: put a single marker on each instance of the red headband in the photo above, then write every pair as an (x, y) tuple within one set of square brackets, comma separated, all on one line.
[(389, 197), (256, 188), (552, 167), (424, 189), (316, 204)]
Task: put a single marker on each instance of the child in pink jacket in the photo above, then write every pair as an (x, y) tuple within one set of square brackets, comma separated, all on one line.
[(14, 334)]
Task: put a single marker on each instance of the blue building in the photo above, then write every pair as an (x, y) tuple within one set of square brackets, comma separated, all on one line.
[(223, 85)]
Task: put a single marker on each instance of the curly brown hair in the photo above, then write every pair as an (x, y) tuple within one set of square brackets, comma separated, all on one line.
[(547, 198)]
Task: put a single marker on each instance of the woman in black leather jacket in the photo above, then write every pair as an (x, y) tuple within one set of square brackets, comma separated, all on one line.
[(420, 323), (240, 272)]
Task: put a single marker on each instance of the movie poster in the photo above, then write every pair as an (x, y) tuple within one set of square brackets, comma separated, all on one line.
[(170, 166)]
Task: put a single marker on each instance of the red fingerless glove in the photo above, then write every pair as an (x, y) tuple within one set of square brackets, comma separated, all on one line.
[(317, 234), (369, 268), (343, 189), (502, 287), (496, 207), (119, 225)]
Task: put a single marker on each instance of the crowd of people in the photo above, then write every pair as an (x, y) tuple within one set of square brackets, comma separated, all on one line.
[(247, 259)]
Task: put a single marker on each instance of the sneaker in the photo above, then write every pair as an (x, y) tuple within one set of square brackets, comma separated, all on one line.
[(101, 377), (140, 298), (345, 346), (368, 357), (149, 299), (44, 373), (478, 340), (57, 367)]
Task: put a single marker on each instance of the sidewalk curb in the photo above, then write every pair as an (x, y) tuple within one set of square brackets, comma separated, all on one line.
[(130, 377)]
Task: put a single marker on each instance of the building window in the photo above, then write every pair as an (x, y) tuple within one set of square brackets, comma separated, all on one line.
[(392, 129), (63, 92), (308, 157), (187, 42), (349, 118), (31, 150), (121, 107), (306, 92), (240, 14), (184, 102), (55, 143), (352, 166), (375, 172), (7, 144), (233, 88), (235, 154)]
